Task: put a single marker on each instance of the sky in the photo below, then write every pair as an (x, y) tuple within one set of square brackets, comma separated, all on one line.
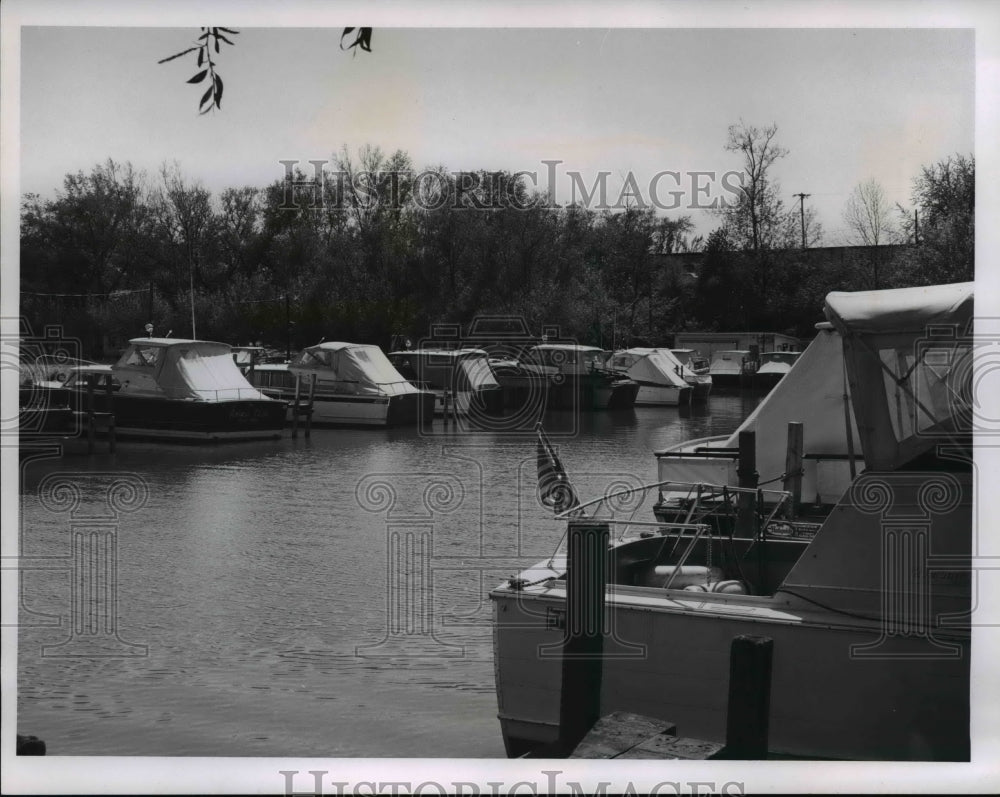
[(850, 105)]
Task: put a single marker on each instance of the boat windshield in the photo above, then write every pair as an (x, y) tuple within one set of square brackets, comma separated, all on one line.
[(143, 356), (920, 386), (314, 358)]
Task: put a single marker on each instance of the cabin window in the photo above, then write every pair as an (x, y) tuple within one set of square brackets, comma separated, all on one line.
[(623, 360), (921, 387), (315, 359), (144, 356)]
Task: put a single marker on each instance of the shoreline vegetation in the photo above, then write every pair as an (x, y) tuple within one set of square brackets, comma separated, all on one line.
[(116, 249)]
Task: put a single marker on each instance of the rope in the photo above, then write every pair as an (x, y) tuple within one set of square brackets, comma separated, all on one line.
[(827, 607), (783, 476)]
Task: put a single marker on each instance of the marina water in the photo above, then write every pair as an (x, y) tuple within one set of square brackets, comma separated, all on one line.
[(300, 597)]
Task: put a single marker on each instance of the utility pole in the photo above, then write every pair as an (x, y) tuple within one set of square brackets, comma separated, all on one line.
[(288, 330), (802, 215)]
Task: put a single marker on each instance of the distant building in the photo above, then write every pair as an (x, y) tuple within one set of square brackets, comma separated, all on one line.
[(708, 343)]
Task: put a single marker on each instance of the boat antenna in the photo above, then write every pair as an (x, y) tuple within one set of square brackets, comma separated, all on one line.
[(169, 333)]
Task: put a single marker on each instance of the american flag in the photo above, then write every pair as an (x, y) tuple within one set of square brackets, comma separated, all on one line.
[(554, 488)]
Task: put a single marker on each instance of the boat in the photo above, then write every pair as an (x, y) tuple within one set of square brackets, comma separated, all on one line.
[(732, 368), (696, 373), (815, 395), (175, 389), (575, 377), (355, 385), (461, 380), (869, 617), (773, 367), (658, 374)]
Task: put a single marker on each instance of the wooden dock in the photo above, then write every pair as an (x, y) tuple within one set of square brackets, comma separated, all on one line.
[(625, 735)]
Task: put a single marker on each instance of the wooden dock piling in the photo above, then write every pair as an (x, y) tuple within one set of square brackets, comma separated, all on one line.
[(309, 404), (747, 473), (586, 581), (749, 698), (295, 405), (793, 468)]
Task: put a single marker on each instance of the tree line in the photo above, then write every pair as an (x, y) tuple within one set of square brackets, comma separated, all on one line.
[(377, 250)]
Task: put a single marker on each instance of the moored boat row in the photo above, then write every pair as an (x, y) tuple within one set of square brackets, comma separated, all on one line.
[(201, 390)]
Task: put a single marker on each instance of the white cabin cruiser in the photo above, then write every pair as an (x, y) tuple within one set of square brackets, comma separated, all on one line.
[(657, 372), (354, 385)]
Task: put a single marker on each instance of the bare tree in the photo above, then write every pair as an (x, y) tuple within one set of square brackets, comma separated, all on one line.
[(868, 216), (754, 222)]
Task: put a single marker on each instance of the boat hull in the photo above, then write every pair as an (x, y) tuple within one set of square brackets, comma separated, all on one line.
[(701, 389), (662, 395), (473, 403), (332, 409), (732, 381), (195, 421), (669, 659)]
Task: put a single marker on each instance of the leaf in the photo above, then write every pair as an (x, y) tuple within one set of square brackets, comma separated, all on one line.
[(218, 91), (199, 77), (178, 55), (201, 55), (206, 96), (216, 44), (220, 36), (363, 39), (203, 36), (229, 30)]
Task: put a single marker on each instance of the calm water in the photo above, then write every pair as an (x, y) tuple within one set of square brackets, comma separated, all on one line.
[(321, 597)]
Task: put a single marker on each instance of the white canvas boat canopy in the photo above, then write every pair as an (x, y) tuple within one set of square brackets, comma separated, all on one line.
[(352, 368), (729, 362), (174, 368), (814, 393), (909, 359), (900, 309), (649, 367)]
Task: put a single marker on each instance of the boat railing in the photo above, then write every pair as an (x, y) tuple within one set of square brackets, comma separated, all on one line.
[(690, 502)]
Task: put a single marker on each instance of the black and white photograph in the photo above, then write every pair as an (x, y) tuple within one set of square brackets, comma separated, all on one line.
[(442, 398)]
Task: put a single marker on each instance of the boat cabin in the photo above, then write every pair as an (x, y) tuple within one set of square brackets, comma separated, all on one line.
[(349, 368), (564, 358), (174, 368)]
